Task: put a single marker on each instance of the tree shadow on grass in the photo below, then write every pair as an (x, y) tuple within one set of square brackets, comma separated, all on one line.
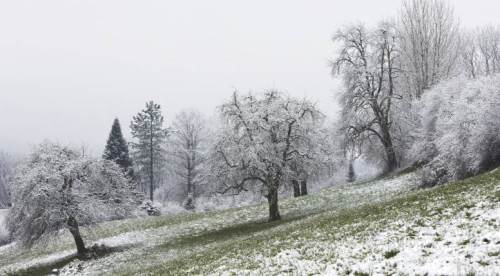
[(50, 267), (226, 233)]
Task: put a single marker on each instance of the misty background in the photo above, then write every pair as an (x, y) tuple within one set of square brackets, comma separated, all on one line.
[(68, 68)]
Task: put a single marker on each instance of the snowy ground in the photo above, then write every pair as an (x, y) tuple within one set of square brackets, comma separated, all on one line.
[(378, 227)]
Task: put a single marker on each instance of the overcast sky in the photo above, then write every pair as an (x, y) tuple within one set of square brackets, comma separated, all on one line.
[(67, 68)]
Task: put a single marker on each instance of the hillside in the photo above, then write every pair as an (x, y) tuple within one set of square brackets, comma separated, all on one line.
[(377, 227)]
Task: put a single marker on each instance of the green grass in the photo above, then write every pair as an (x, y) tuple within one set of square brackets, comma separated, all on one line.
[(494, 254), (391, 253)]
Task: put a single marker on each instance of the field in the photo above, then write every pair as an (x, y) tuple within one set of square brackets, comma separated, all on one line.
[(378, 227)]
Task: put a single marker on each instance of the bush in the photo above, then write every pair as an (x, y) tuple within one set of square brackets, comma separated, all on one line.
[(460, 134), (151, 209)]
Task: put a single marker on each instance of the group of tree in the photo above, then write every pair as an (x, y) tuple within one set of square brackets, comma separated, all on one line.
[(397, 100)]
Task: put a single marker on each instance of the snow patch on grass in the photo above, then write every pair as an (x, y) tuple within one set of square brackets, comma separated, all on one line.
[(379, 227)]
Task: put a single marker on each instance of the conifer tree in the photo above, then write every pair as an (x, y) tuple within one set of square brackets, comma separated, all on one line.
[(148, 151), (351, 175), (117, 149)]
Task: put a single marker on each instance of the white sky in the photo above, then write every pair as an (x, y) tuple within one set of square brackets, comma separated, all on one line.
[(68, 67)]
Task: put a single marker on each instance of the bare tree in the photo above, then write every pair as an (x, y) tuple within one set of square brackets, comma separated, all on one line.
[(430, 40), (470, 55), (480, 52), (189, 135), (489, 46), (368, 62)]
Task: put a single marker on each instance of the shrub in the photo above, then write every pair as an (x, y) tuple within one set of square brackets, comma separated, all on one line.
[(460, 133)]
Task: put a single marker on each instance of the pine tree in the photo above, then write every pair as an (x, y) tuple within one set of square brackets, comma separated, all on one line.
[(148, 151), (117, 149)]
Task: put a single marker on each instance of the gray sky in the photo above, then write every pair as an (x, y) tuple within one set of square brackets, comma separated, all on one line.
[(68, 67)]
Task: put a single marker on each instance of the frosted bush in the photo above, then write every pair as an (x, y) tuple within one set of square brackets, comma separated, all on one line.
[(460, 133)]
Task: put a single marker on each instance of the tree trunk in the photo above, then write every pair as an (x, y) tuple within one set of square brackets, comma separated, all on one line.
[(189, 175), (296, 188), (272, 199), (151, 163), (303, 187), (392, 162), (75, 231)]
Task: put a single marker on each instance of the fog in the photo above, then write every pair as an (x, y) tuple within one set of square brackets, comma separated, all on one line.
[(68, 68)]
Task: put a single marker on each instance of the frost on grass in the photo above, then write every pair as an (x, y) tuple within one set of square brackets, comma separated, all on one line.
[(451, 241), (150, 236), (378, 227)]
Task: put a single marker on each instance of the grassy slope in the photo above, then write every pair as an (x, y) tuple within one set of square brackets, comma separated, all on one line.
[(363, 228), (459, 218)]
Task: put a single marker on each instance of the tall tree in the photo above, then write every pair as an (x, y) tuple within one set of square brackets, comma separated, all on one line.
[(368, 63), (117, 149), (188, 137), (430, 42), (148, 149)]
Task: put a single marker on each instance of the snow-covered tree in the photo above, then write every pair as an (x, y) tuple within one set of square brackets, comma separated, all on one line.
[(117, 148), (368, 61), (430, 42), (261, 136), (57, 188), (323, 162), (188, 150), (148, 148)]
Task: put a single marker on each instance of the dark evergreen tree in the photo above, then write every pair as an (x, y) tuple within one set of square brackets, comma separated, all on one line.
[(117, 148), (351, 175), (148, 149)]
